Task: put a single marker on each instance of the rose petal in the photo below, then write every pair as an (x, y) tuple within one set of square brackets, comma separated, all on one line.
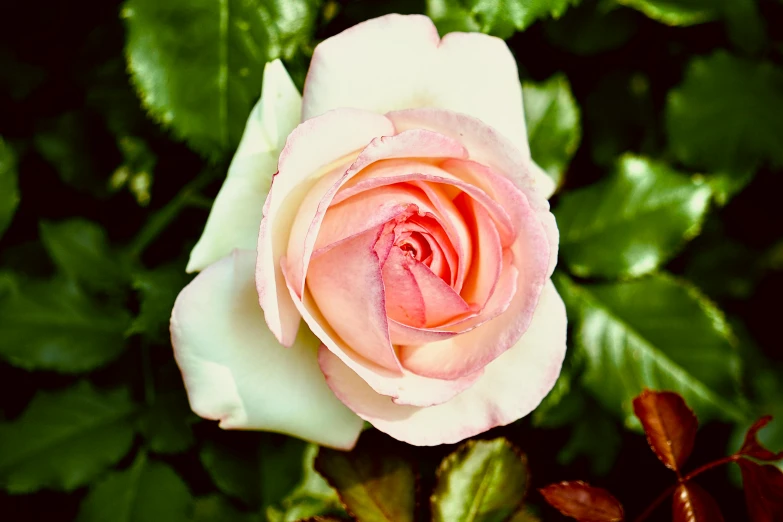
[(236, 372), (237, 211), (510, 388), (398, 62), (347, 286), (407, 388), (308, 153), (307, 225)]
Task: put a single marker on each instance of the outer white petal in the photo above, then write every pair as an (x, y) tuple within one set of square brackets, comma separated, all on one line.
[(510, 388), (235, 371), (398, 62), (236, 213)]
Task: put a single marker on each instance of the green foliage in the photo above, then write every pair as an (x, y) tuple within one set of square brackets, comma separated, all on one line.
[(552, 118), (81, 251), (496, 17), (65, 439), (678, 12), (484, 481), (166, 424), (65, 142), (312, 496), (216, 508), (656, 333), (198, 65), (9, 185), (592, 27), (374, 486), (638, 138), (147, 490), (157, 290), (744, 22), (727, 115), (631, 223), (260, 475), (54, 325)]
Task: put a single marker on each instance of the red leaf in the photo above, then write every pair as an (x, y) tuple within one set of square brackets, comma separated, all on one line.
[(583, 502), (753, 448), (692, 504), (669, 424), (763, 491)]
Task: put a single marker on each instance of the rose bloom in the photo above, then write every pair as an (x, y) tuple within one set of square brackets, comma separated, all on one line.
[(386, 259)]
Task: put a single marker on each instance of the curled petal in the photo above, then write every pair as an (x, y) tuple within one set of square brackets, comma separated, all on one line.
[(310, 152), (510, 387)]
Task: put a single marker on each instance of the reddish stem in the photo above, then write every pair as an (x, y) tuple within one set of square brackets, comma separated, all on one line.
[(668, 491)]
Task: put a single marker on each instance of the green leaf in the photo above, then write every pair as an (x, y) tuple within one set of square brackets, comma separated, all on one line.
[(496, 17), (632, 222), (483, 481), (312, 497), (745, 24), (148, 490), (657, 333), (217, 508), (375, 482), (727, 115), (553, 125), (158, 289), (198, 65), (66, 143), (593, 425), (65, 439), (9, 186), (260, 474), (166, 424), (81, 251), (678, 12), (53, 325), (592, 28), (720, 266)]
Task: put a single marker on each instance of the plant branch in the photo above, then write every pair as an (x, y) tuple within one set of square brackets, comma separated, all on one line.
[(161, 219), (690, 476)]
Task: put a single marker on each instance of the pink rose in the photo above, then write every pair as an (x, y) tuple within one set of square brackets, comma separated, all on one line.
[(406, 225)]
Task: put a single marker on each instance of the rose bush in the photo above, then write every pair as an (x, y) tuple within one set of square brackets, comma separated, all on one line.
[(405, 223)]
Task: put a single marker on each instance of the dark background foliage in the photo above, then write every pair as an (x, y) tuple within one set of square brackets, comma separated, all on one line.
[(113, 199)]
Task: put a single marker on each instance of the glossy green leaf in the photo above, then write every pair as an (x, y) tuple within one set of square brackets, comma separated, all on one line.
[(217, 508), (53, 325), (312, 497), (678, 12), (496, 17), (483, 481), (374, 482), (198, 65), (260, 473), (65, 439), (553, 124), (157, 289), (81, 251), (727, 115), (632, 222), (148, 490), (9, 186), (658, 333), (166, 424)]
